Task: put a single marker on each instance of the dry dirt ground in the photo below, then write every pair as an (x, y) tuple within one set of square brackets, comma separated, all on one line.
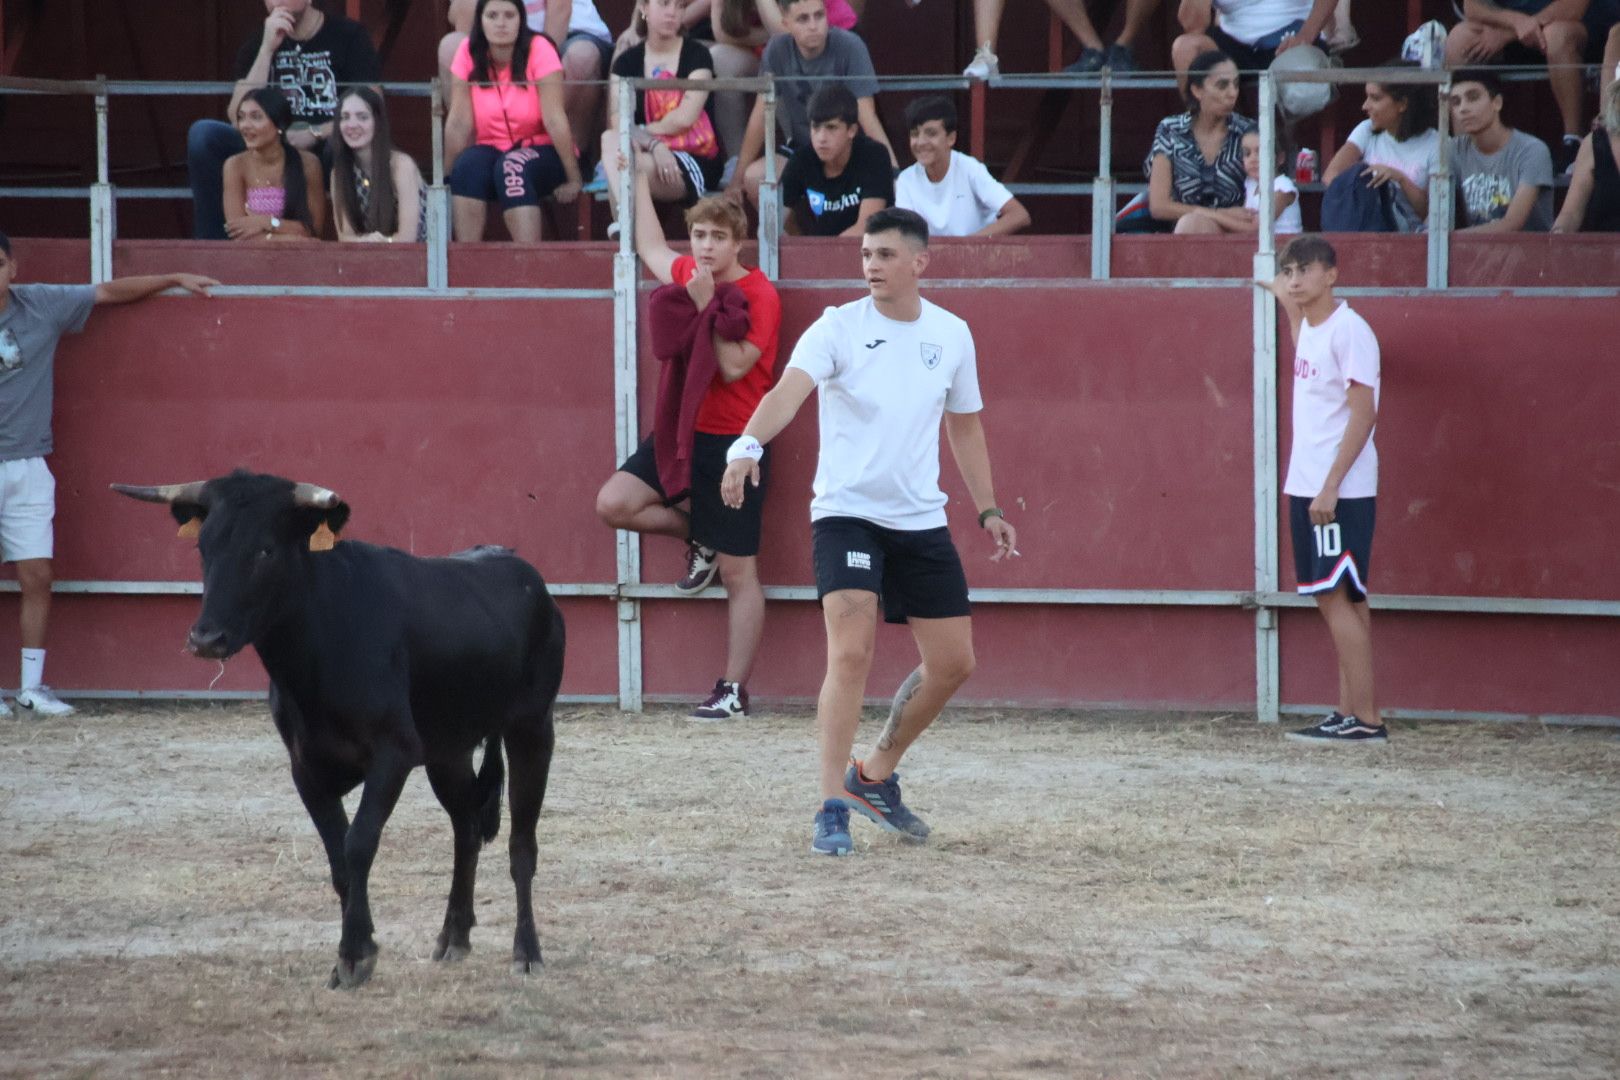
[(1105, 895)]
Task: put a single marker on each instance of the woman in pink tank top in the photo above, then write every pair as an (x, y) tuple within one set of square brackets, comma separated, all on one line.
[(272, 190)]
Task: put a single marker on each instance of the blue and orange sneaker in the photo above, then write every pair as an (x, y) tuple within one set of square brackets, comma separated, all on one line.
[(879, 802), (832, 829)]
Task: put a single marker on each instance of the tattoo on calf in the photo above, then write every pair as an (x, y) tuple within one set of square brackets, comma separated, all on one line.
[(907, 691)]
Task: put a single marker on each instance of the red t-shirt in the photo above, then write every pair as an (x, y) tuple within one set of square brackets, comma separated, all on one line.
[(728, 406)]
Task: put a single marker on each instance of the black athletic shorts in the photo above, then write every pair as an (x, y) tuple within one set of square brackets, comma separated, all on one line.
[(1325, 555), (917, 573), (714, 524)]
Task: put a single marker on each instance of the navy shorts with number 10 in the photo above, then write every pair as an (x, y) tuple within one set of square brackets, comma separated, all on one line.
[(1325, 555)]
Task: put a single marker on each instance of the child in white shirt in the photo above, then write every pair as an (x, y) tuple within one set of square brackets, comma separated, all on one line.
[(953, 192), (1288, 220)]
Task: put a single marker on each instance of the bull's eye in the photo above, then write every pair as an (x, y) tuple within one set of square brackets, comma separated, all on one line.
[(262, 554)]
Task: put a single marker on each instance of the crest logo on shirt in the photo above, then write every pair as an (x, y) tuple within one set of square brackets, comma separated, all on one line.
[(10, 350), (931, 355)]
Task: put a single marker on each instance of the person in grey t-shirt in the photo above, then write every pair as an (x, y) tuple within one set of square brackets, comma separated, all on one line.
[(1504, 176), (805, 59), (33, 319)]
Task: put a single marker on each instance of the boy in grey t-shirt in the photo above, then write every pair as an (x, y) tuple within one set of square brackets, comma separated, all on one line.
[(1504, 176), (805, 58), (33, 319)]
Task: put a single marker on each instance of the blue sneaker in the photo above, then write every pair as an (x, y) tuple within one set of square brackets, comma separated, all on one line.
[(880, 803), (832, 829)]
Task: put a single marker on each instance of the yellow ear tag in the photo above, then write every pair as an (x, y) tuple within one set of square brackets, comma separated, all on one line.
[(190, 529), (322, 539)]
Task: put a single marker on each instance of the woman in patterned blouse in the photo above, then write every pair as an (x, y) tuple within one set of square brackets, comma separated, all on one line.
[(1195, 168)]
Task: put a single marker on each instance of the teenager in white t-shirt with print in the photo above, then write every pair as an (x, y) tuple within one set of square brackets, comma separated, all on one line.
[(1332, 480), (888, 367), (953, 192)]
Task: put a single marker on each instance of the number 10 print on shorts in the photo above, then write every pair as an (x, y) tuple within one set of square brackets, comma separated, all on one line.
[(1340, 551)]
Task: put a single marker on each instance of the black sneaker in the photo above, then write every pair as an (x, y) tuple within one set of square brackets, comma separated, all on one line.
[(1121, 60), (1565, 155), (728, 701), (1090, 62), (1337, 728), (701, 565)]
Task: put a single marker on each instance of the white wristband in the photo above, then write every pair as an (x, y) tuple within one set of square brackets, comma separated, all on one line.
[(745, 447)]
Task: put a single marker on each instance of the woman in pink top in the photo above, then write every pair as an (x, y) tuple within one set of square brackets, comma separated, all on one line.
[(509, 138), (271, 189)]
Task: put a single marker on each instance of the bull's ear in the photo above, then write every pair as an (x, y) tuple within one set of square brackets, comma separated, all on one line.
[(322, 526), (190, 516)]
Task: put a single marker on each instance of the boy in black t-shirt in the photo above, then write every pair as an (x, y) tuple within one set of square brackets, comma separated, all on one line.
[(840, 179), (305, 54)]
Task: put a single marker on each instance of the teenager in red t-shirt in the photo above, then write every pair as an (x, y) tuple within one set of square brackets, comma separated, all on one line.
[(718, 538)]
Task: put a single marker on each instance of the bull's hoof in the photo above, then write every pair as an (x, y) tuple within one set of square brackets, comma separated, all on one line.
[(525, 966), (352, 974), (451, 953)]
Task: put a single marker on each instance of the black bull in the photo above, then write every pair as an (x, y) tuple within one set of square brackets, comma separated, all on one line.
[(380, 661)]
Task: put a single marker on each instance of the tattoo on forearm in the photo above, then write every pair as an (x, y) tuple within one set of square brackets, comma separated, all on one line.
[(907, 691)]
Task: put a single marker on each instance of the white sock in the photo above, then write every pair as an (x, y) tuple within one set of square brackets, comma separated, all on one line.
[(33, 668)]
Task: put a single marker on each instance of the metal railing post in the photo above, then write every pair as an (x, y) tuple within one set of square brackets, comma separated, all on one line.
[(625, 276), (1102, 188), (1442, 210), (103, 220), (770, 206), (438, 218), (1267, 676)]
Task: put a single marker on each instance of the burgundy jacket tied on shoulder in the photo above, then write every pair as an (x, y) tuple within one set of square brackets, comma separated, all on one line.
[(683, 342)]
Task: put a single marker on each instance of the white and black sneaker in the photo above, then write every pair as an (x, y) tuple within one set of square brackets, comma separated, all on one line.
[(1338, 728), (701, 565), (728, 701), (41, 702)]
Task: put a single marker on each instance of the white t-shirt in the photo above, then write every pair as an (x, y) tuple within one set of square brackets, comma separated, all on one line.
[(584, 19), (1416, 157), (967, 200), (1250, 20), (1326, 360), (885, 386), (1288, 221)]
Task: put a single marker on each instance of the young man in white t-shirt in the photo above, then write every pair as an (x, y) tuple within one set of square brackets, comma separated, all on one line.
[(1332, 479), (888, 368), (953, 192)]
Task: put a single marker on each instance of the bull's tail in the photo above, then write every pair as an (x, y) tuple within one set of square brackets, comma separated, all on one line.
[(491, 775)]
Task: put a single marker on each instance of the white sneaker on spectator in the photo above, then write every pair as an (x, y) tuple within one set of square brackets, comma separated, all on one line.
[(41, 702), (5, 710), (984, 65)]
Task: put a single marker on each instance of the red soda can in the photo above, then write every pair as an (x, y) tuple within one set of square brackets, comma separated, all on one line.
[(1305, 167)]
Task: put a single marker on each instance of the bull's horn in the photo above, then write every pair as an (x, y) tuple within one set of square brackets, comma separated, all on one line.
[(313, 495), (164, 493)]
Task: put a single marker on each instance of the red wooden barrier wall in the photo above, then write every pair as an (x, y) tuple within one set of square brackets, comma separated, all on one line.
[(1120, 426)]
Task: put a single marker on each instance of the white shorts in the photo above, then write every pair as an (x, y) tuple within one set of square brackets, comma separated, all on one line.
[(27, 505)]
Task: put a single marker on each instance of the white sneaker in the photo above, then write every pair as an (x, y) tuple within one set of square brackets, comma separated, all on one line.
[(984, 65), (5, 710), (42, 702)]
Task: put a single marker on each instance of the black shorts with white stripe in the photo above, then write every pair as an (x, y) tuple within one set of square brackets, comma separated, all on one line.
[(1341, 551), (916, 573)]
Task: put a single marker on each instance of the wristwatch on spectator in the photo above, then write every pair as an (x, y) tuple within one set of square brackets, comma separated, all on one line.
[(275, 223)]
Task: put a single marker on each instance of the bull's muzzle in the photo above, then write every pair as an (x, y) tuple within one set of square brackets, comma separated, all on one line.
[(207, 643)]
